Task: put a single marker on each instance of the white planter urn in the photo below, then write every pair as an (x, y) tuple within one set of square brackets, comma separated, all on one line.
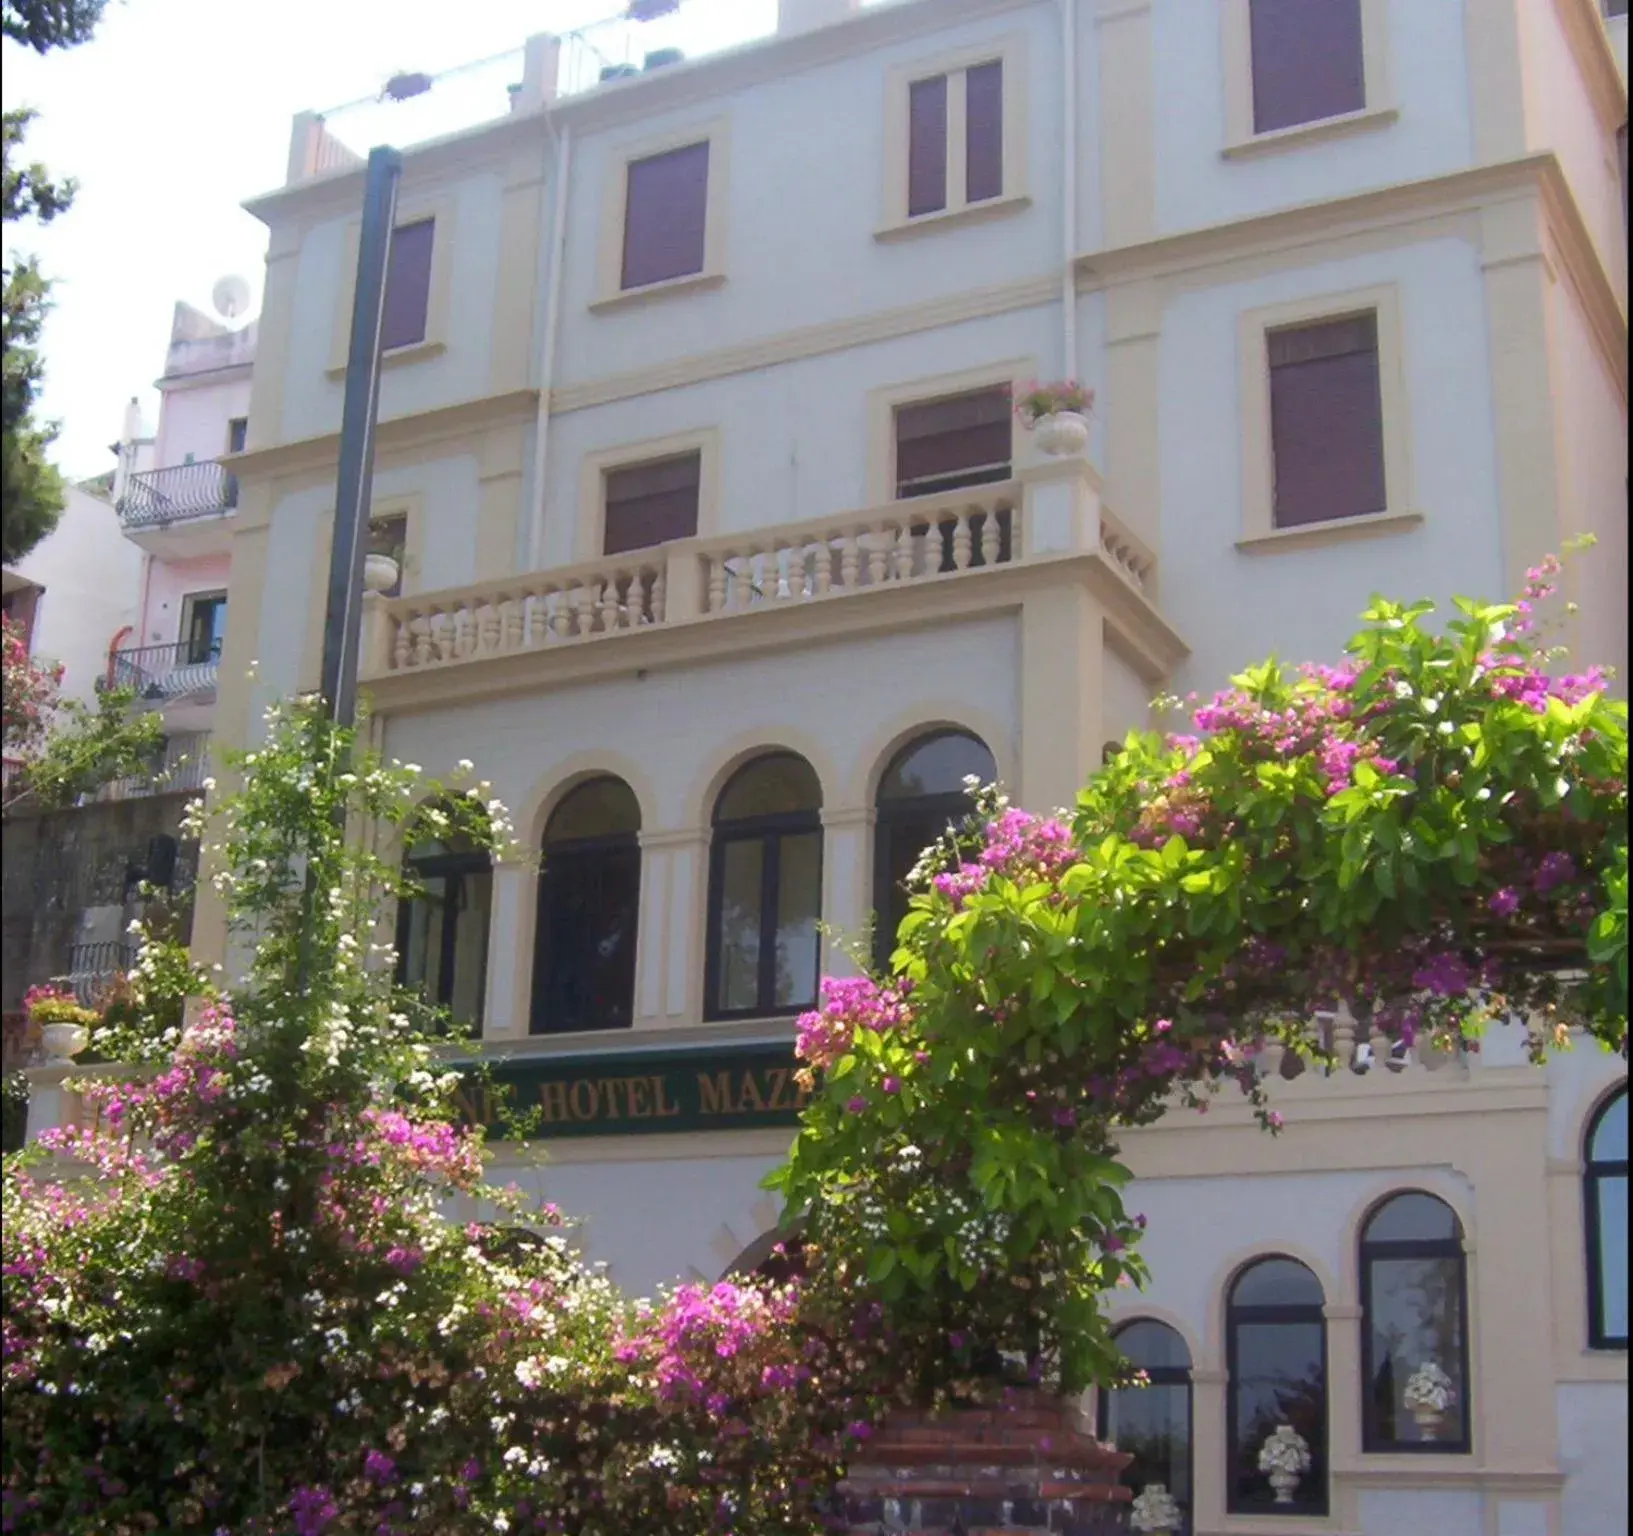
[(62, 1041), (1062, 433), (379, 573), (1285, 1484), (1429, 1421)]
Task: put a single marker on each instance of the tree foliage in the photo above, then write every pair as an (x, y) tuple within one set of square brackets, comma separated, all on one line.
[(31, 488), (1432, 834)]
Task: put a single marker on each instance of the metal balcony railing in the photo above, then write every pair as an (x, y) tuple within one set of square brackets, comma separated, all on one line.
[(183, 766), (93, 969), (158, 497), (162, 672)]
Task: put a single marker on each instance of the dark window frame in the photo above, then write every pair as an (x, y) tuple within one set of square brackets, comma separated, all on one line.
[(609, 480), (910, 488), (1269, 104), (389, 341), (769, 831), (1373, 1250), (451, 866), (1301, 1313), (575, 850), (643, 258), (215, 600), (1162, 1376), (1594, 1172)]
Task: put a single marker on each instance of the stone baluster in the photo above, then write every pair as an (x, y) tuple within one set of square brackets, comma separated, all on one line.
[(1343, 1034), (743, 580), (660, 597), (487, 638), (511, 614), (421, 625), (717, 584), (824, 570), (878, 554), (961, 542), (402, 645), (849, 559), (609, 604), (989, 537), (904, 553), (442, 635), (558, 613)]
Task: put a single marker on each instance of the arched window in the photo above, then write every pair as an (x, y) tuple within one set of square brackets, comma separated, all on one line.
[(589, 898), (442, 933), (1414, 1327), (1276, 1356), (920, 795), (765, 890), (1153, 1423), (1605, 1189)]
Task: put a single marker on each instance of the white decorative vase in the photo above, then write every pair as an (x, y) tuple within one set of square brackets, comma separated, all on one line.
[(1062, 434), (379, 573), (1429, 1421), (1285, 1485), (62, 1041)]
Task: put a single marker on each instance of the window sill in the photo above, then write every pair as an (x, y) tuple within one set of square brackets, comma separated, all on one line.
[(1300, 134), (414, 352), (952, 218), (1339, 531), (693, 282)]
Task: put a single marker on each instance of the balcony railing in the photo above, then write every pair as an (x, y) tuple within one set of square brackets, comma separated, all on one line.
[(184, 766), (957, 536), (163, 672), (94, 968), (159, 497)]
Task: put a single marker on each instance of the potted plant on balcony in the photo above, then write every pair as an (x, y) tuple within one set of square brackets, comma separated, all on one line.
[(1057, 415), (64, 1022)]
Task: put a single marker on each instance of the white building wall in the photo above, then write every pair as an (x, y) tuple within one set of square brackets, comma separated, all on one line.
[(193, 420), (1197, 185), (90, 574), (1304, 603), (169, 583)]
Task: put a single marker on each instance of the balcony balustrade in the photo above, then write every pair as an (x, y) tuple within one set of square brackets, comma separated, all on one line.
[(961, 536), (158, 497), (160, 673)]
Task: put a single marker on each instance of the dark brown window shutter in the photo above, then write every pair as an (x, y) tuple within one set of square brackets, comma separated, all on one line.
[(984, 131), (665, 214), (927, 146), (1307, 61), (959, 440), (1326, 421), (408, 284), (651, 503)]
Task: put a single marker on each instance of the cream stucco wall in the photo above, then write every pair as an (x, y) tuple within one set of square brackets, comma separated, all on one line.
[(193, 418)]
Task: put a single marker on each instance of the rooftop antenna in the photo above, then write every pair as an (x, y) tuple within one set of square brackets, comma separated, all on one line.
[(230, 297)]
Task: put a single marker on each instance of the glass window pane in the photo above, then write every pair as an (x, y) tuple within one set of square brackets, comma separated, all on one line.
[(937, 765), (1611, 1201), (1415, 1316), (1153, 1424), (604, 807), (738, 958), (799, 907), (1412, 1217), (1609, 1142), (1278, 1380), (470, 947), (1154, 1346), (422, 944), (770, 786), (1276, 1283), (588, 917)]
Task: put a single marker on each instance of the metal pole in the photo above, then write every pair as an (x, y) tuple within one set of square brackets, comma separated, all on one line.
[(343, 617)]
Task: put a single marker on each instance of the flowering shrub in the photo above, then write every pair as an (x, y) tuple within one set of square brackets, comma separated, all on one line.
[(54, 1005), (256, 1316), (1035, 401), (1433, 832)]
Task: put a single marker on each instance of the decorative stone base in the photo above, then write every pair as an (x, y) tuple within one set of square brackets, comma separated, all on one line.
[(1023, 1466)]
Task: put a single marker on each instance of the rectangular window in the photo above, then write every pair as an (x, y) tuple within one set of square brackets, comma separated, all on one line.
[(1615, 7), (1307, 61), (651, 503), (408, 284), (237, 435), (932, 107), (666, 203), (204, 627), (953, 442), (1326, 421)]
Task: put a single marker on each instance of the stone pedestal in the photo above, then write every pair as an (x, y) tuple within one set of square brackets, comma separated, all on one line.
[(1020, 1467)]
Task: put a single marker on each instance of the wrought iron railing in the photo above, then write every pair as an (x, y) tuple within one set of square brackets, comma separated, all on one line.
[(93, 969), (157, 497), (160, 672), (185, 765)]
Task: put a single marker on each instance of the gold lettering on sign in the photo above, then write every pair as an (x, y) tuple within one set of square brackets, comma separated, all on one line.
[(715, 1091), (777, 1077), (609, 1087), (583, 1099), (748, 1097), (553, 1101), (636, 1090), (665, 1108)]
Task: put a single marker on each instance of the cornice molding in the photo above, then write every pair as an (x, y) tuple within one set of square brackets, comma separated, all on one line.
[(308, 455), (1584, 30), (1580, 264)]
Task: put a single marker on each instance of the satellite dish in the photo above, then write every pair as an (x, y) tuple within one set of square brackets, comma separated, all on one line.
[(230, 297)]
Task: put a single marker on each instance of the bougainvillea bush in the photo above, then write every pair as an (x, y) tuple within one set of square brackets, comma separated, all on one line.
[(1431, 833), (248, 1313)]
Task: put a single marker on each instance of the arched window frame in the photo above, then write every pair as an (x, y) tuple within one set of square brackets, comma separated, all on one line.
[(607, 846), (1236, 1314), (891, 815), (454, 864), (1163, 1376), (1374, 1250), (768, 830), (1595, 1171)]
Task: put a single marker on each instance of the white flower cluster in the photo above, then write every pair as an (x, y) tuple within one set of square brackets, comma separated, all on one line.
[(1429, 1390), (1154, 1511), (1284, 1450)]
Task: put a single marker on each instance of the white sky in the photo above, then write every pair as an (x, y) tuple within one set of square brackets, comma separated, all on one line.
[(178, 110)]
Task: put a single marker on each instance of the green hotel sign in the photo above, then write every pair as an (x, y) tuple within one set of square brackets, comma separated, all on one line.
[(639, 1093)]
